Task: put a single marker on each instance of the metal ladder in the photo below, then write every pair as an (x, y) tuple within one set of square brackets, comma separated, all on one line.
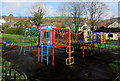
[(23, 50), (45, 53)]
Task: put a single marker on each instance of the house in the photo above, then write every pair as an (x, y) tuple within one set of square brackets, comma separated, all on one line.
[(2, 21), (113, 35), (111, 29)]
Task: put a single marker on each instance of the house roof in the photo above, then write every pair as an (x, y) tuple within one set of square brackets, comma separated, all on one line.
[(114, 25)]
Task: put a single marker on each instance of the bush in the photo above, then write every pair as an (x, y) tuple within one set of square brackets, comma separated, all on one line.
[(4, 26), (18, 30)]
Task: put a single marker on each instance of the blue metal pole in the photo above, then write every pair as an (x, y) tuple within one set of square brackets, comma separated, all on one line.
[(47, 54), (41, 53)]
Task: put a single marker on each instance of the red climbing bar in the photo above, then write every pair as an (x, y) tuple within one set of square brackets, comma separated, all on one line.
[(38, 45), (60, 46), (60, 29)]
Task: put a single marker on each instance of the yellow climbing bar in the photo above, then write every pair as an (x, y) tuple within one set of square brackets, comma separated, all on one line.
[(68, 49), (104, 37), (70, 61)]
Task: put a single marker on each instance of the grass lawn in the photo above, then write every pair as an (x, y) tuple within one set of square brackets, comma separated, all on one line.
[(115, 65), (110, 46), (17, 39)]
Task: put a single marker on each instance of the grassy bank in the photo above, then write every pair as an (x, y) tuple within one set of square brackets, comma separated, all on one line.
[(9, 73)]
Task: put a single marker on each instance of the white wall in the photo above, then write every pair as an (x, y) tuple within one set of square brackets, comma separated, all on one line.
[(2, 21), (115, 36)]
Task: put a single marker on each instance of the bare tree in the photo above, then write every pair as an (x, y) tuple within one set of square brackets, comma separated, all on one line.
[(73, 10), (64, 19), (62, 9), (94, 12)]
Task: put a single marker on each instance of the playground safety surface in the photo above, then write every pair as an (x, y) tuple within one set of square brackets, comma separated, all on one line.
[(92, 68)]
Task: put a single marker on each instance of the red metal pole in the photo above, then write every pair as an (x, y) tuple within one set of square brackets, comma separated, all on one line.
[(92, 44), (53, 44), (83, 44), (93, 41), (38, 45), (69, 44), (43, 41)]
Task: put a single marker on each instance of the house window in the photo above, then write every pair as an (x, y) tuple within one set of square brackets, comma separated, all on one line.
[(110, 35)]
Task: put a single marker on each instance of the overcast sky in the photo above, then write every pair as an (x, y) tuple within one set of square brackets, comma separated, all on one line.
[(21, 7)]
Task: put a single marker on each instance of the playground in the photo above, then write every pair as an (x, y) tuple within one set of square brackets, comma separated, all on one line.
[(64, 55)]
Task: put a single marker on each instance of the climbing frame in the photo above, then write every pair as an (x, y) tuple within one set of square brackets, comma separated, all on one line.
[(27, 40), (54, 38)]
